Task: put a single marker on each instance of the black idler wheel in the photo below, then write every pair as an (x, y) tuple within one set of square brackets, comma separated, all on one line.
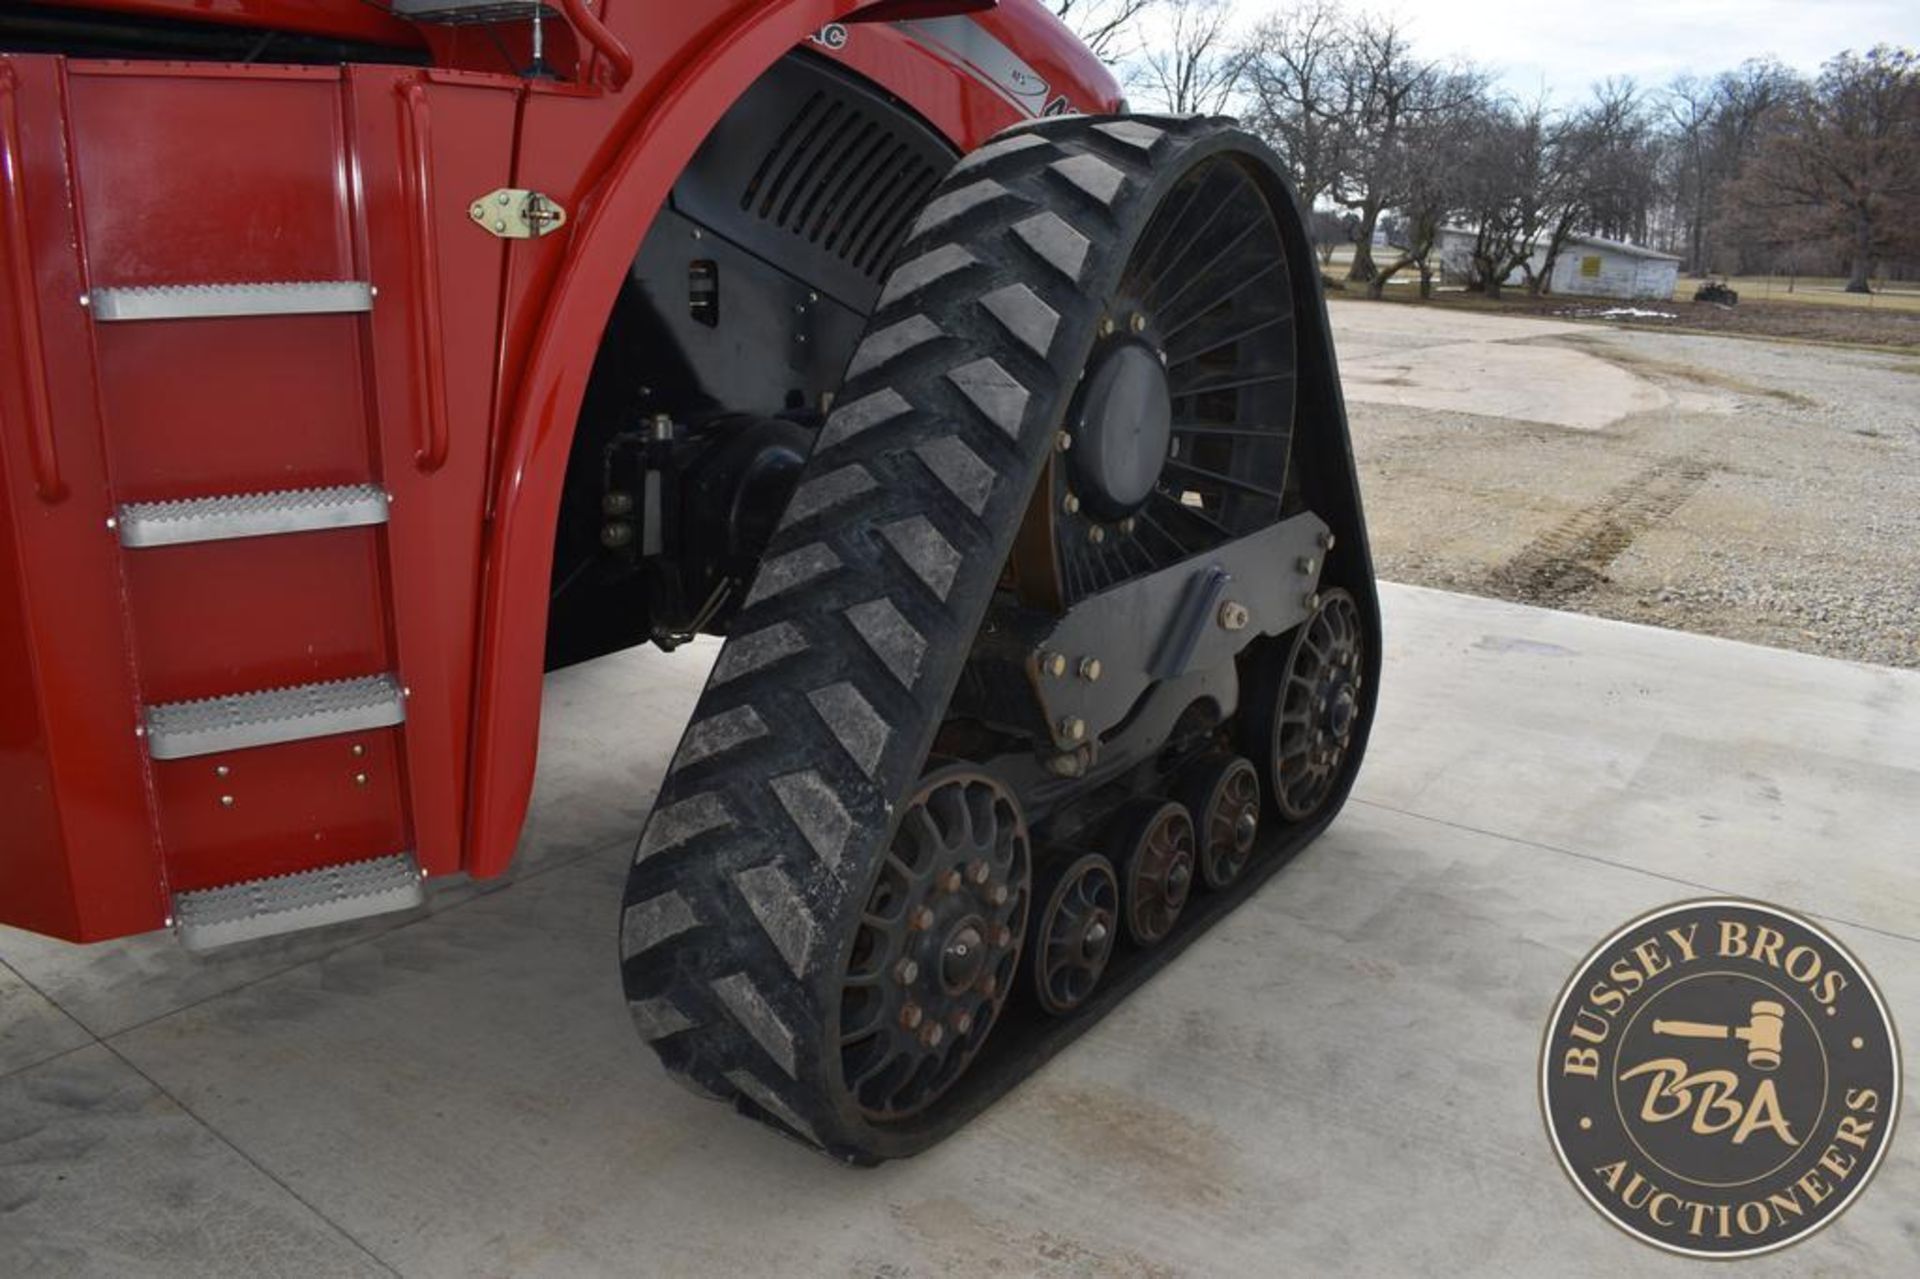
[(1223, 794), (1075, 932)]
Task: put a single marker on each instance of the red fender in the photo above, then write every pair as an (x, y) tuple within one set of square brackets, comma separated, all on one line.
[(661, 124)]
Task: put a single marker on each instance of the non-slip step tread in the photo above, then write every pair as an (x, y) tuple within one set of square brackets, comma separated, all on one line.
[(201, 301), (213, 519), (209, 917), (181, 730)]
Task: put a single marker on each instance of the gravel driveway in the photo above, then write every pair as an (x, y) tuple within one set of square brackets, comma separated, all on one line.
[(1762, 491)]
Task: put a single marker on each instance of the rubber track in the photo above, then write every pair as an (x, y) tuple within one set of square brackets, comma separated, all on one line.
[(825, 698)]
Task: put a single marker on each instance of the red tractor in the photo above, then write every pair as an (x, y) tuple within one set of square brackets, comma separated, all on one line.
[(363, 359)]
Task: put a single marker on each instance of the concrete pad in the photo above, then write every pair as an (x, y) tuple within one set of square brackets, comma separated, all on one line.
[(100, 1174), (31, 1028), (1339, 1079), (1751, 770), (1485, 365)]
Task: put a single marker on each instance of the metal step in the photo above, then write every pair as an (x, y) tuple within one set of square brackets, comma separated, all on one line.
[(211, 917), (465, 12), (182, 730), (203, 301), (216, 519)]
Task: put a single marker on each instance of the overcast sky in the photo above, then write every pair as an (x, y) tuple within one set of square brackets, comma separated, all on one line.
[(1567, 45)]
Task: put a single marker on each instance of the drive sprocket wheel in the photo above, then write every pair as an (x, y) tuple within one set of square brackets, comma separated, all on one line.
[(748, 909)]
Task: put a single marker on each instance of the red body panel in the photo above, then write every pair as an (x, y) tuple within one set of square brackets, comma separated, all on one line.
[(458, 392)]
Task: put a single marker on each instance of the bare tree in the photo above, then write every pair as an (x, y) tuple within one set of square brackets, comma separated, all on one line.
[(1111, 28), (1841, 162), (1433, 185), (1194, 69), (1291, 72), (1385, 92), (1712, 127), (1507, 191), (1594, 167)]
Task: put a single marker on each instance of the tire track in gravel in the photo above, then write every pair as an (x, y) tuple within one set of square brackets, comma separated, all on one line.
[(1572, 556)]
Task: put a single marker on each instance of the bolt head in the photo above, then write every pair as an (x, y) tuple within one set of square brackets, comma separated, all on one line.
[(906, 972), (359, 779), (999, 894), (1308, 564), (962, 1023), (921, 919), (1073, 728), (978, 872), (226, 801), (911, 1016), (1090, 669), (1054, 664), (1312, 601), (1002, 936), (1127, 525), (1137, 322), (932, 1033), (1326, 541), (1066, 764), (1096, 933), (1062, 442), (1233, 616), (1106, 326), (1070, 504), (990, 984), (1096, 535)]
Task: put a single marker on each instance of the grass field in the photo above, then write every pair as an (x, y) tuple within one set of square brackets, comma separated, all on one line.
[(1817, 291)]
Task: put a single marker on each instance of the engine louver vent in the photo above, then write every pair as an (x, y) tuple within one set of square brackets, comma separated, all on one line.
[(817, 173), (842, 179)]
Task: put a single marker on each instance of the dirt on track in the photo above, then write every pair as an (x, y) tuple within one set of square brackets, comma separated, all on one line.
[(1762, 491)]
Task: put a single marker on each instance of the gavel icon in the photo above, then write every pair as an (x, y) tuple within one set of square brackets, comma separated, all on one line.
[(1762, 1032)]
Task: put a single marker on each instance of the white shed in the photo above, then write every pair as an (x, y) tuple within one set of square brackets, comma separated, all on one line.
[(1587, 266), (1591, 267)]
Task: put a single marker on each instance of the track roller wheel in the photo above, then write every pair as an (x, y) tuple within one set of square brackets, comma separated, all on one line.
[(1074, 936), (1156, 866), (1223, 794)]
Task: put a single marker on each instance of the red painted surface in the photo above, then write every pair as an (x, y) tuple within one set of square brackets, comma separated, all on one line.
[(458, 393)]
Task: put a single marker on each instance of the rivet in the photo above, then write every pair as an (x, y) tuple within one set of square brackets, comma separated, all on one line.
[(1062, 442), (949, 881), (358, 750), (962, 1023), (1073, 728), (226, 801), (1106, 326), (1070, 504), (978, 871), (920, 919), (1089, 668), (906, 972), (1096, 535), (999, 894), (359, 779), (911, 1016), (1137, 322), (1054, 664), (499, 225), (505, 198), (221, 770), (932, 1033)]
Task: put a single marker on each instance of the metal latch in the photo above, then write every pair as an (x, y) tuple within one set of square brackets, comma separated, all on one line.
[(513, 214)]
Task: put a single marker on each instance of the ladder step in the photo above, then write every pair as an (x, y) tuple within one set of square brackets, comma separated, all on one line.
[(202, 301), (182, 730), (210, 917), (217, 519)]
